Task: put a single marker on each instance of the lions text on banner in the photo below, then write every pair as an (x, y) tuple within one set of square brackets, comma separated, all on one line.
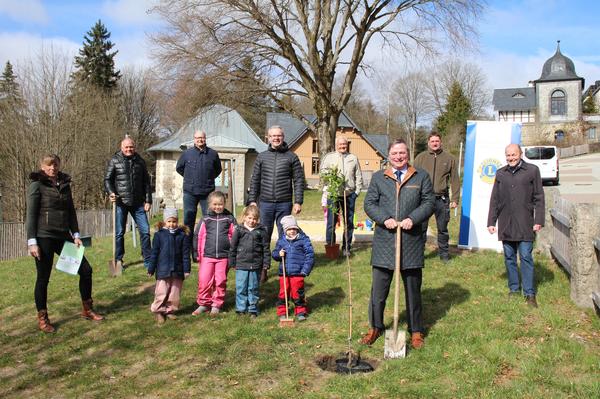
[(484, 155)]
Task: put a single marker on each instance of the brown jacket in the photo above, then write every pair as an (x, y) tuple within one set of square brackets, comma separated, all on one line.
[(443, 171)]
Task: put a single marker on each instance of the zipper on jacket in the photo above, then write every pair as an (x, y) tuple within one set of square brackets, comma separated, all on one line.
[(217, 239), (433, 177), (275, 176)]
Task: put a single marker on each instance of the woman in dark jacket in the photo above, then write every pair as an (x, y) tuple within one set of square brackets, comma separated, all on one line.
[(52, 220)]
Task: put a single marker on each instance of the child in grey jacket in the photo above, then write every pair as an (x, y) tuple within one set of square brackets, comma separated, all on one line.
[(249, 255)]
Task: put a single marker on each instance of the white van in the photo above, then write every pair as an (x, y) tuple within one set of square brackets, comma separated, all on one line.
[(546, 159)]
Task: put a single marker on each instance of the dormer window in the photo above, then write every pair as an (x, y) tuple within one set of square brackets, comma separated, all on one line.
[(558, 103), (518, 95)]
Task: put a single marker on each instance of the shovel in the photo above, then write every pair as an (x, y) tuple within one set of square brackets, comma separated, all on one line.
[(287, 322), (115, 268), (395, 341)]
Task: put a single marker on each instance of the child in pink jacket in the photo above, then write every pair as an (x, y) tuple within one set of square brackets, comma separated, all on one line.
[(214, 236)]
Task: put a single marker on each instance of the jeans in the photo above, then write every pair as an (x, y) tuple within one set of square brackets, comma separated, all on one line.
[(273, 212), (246, 290), (190, 208), (139, 216), (332, 220), (442, 217), (510, 260)]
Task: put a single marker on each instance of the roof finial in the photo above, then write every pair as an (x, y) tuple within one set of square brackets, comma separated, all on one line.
[(558, 46)]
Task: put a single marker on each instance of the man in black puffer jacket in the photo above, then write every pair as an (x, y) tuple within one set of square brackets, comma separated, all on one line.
[(275, 172), (127, 183)]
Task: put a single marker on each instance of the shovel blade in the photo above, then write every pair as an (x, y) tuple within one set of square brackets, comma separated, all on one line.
[(395, 345), (115, 268)]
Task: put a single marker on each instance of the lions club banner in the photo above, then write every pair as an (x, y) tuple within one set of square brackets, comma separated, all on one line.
[(484, 155)]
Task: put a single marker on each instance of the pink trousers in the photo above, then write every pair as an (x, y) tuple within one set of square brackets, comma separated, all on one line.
[(166, 295), (212, 282)]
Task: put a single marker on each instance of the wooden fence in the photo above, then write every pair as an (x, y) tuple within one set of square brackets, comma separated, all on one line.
[(95, 223), (562, 232)]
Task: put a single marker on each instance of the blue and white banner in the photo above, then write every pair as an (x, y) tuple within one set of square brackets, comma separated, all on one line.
[(484, 155)]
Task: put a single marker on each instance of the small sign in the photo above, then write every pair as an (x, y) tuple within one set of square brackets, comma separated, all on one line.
[(70, 258)]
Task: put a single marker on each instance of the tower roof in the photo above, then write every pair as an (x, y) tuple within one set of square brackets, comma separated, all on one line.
[(558, 67)]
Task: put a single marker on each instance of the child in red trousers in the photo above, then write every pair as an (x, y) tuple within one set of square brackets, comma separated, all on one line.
[(299, 257), (214, 236)]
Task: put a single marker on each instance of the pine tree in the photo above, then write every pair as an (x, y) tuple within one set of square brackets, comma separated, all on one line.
[(95, 63), (457, 111), (9, 87)]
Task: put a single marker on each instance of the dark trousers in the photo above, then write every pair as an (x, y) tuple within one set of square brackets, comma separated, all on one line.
[(333, 218), (272, 212), (190, 208), (380, 288), (49, 247), (442, 218)]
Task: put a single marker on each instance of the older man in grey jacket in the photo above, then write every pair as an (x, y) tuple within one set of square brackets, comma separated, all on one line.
[(348, 165)]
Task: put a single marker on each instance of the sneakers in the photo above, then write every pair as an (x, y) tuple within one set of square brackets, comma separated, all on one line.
[(302, 316), (201, 309), (253, 316), (214, 311), (160, 318), (417, 340), (371, 336), (530, 299)]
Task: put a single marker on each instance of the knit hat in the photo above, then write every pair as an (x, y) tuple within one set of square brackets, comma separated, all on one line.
[(169, 213), (289, 222)]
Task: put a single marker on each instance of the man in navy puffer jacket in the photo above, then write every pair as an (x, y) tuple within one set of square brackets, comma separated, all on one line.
[(299, 257)]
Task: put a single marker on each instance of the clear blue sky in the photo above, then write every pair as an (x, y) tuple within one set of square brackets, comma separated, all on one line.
[(516, 37)]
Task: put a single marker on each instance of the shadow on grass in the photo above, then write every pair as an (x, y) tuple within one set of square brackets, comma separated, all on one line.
[(438, 301), (541, 273)]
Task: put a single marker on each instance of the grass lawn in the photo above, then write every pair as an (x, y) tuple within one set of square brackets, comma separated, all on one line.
[(479, 342)]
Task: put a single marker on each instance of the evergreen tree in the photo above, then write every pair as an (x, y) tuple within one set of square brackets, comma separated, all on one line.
[(9, 87), (454, 118), (589, 105), (95, 63)]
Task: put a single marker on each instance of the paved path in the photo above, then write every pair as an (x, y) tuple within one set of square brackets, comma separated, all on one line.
[(580, 178)]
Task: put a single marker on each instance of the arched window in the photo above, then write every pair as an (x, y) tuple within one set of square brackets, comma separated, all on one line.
[(558, 103)]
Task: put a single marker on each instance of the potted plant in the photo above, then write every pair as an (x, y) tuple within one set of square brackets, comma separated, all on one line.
[(333, 184)]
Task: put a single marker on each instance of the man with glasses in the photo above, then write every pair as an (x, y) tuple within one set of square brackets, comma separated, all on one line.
[(199, 166), (277, 180)]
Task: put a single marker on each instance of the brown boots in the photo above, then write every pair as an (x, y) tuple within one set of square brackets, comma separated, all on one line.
[(44, 322), (88, 311)]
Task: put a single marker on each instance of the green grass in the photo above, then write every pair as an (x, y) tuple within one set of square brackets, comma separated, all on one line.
[(479, 343)]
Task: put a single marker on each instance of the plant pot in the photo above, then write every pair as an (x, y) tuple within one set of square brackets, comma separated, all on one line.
[(332, 251)]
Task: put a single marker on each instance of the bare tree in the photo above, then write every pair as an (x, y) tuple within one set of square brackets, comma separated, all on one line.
[(472, 82), (302, 46), (409, 94)]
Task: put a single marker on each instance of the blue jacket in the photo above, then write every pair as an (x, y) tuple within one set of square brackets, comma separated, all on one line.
[(299, 255), (170, 255), (199, 170)]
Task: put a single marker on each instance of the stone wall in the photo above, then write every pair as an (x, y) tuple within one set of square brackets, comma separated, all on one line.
[(583, 258)]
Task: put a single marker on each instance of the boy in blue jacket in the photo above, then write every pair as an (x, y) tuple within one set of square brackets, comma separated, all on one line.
[(170, 260), (297, 252)]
